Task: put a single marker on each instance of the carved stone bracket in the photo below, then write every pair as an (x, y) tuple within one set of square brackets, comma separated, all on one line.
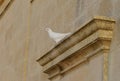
[(89, 40)]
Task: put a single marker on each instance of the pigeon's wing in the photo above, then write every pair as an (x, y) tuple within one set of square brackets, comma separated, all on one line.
[(58, 39), (56, 35)]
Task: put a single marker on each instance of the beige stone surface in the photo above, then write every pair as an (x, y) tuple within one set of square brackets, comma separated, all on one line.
[(23, 38)]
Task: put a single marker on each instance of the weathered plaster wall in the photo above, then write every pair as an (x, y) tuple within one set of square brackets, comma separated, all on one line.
[(23, 38), (13, 36), (114, 70)]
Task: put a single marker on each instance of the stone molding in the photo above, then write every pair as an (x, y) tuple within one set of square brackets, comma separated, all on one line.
[(3, 5), (93, 38)]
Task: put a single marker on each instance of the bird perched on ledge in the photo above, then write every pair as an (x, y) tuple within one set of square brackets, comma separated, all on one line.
[(57, 37)]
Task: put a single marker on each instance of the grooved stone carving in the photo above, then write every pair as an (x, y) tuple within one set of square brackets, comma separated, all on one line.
[(93, 38), (3, 5)]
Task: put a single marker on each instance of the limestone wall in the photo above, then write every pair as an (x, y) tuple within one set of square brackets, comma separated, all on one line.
[(13, 40), (23, 38)]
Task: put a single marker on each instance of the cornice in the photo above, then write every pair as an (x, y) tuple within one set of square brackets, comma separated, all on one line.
[(91, 39)]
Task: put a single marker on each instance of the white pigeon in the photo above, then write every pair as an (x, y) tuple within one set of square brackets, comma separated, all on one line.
[(57, 37)]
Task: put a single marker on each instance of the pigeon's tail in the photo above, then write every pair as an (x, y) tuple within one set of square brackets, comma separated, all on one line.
[(68, 34), (62, 37)]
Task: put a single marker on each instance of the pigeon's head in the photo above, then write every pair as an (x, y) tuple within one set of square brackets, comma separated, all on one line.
[(47, 29)]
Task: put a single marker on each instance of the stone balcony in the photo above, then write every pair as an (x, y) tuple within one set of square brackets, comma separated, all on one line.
[(91, 39)]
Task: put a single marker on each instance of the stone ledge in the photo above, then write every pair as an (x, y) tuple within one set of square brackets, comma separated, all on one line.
[(83, 44), (87, 41)]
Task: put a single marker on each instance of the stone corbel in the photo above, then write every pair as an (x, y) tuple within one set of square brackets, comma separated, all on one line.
[(93, 38)]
